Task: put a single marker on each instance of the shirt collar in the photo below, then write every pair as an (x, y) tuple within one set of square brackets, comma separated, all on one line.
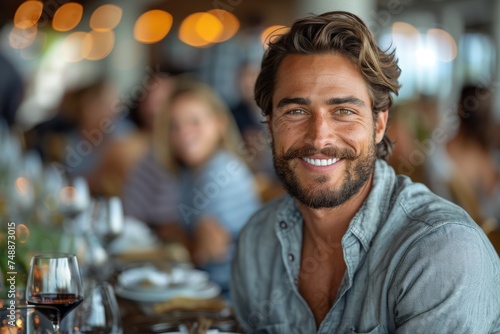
[(366, 223)]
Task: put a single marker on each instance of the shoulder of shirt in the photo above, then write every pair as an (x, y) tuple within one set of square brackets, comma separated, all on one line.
[(421, 205)]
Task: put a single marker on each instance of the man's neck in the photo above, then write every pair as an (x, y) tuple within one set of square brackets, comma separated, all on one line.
[(327, 225)]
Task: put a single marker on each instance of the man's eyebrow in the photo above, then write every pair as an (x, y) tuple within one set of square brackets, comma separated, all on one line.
[(346, 100), (292, 100)]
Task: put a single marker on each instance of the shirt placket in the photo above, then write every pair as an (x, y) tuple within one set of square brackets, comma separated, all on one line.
[(290, 236)]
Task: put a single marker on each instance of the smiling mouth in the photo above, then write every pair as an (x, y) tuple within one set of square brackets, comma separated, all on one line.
[(320, 162)]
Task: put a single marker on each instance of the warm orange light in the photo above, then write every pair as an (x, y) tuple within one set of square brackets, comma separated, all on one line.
[(22, 233), (28, 14), (22, 38), (208, 27), (105, 18), (76, 46), (152, 26), (102, 44), (272, 32), (230, 24), (200, 29), (443, 43), (67, 16), (22, 185)]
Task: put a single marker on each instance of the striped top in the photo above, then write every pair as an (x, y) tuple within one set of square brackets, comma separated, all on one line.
[(223, 189), (151, 193)]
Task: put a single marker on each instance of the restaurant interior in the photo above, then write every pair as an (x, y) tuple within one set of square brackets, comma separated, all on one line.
[(82, 87)]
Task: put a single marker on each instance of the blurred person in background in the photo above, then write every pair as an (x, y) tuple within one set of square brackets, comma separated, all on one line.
[(222, 61), (250, 122), (410, 127), (151, 193), (145, 109), (465, 170), (193, 187), (79, 140), (11, 90)]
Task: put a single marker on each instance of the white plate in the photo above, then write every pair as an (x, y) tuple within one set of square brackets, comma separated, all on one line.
[(151, 279), (204, 291)]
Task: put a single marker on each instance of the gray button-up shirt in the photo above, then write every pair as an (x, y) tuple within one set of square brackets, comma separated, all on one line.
[(416, 263)]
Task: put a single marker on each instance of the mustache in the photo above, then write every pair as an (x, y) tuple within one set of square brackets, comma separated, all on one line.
[(309, 150)]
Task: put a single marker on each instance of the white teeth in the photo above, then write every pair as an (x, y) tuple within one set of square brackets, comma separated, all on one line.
[(320, 162)]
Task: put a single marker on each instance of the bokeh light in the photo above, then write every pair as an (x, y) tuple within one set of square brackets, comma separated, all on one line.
[(271, 33), (443, 44), (230, 24), (152, 26), (67, 16), (22, 233), (22, 38), (22, 185), (105, 18), (28, 14), (76, 46), (403, 31), (101, 45), (200, 29)]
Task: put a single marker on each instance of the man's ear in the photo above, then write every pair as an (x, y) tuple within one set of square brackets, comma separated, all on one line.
[(381, 125)]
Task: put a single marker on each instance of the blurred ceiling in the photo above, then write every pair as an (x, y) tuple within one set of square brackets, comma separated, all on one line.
[(477, 14)]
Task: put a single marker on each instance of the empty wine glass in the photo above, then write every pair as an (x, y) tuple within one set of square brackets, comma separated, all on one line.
[(107, 219), (54, 280), (99, 312), (74, 198), (73, 204)]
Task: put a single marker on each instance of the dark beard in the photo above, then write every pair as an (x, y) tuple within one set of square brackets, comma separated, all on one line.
[(355, 176)]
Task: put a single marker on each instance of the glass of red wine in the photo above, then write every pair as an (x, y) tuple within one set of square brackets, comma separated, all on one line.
[(54, 280)]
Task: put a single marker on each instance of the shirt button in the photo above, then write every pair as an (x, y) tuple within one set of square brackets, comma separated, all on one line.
[(291, 257), (283, 224)]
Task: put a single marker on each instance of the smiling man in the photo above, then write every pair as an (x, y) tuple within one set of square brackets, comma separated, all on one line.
[(352, 248)]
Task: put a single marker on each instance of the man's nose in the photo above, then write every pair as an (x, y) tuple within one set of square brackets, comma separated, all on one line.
[(320, 131)]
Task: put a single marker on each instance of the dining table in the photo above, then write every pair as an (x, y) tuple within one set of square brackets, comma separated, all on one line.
[(175, 313)]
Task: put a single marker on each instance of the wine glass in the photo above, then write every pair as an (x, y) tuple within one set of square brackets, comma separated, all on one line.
[(54, 280), (99, 312), (107, 219), (74, 199)]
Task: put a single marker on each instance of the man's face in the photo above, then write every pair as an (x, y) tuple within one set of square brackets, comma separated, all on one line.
[(322, 127)]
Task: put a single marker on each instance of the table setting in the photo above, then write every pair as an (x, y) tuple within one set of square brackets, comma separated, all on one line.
[(82, 266)]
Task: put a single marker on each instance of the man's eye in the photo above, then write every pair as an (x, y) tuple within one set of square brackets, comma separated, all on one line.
[(295, 112), (344, 112)]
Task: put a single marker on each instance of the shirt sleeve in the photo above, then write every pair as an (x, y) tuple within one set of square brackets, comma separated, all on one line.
[(229, 189), (448, 282)]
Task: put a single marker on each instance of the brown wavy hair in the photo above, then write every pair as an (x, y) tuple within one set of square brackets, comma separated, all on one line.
[(338, 33)]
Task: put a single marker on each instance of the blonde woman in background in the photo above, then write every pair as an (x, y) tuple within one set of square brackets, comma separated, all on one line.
[(193, 187)]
